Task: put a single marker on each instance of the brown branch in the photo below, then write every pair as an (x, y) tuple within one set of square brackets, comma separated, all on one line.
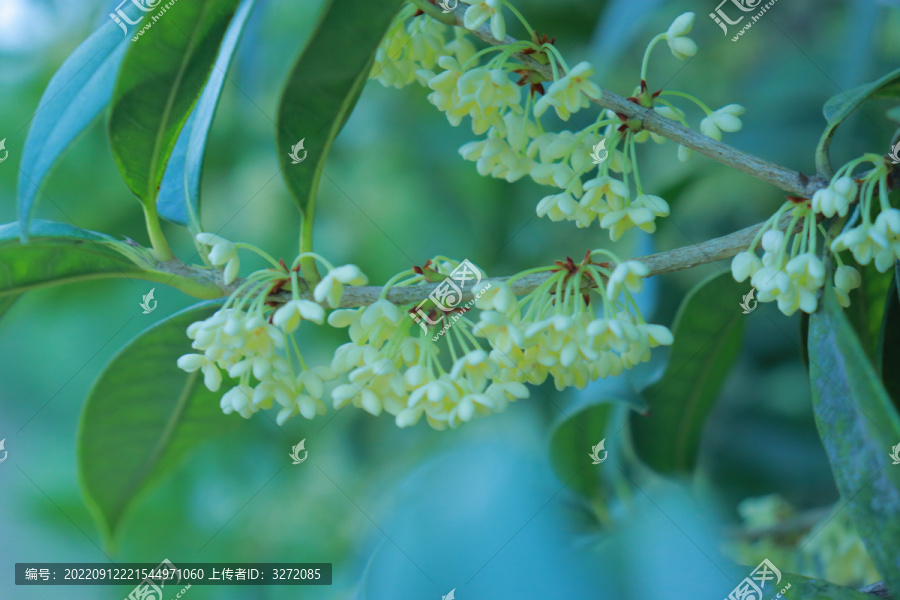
[(670, 261)]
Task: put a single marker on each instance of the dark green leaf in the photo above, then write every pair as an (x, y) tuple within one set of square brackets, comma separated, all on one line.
[(866, 309), (839, 107), (179, 193), (804, 588), (324, 86), (858, 426), (574, 437), (159, 83), (6, 303), (889, 342), (143, 415), (75, 95), (59, 253), (708, 332)]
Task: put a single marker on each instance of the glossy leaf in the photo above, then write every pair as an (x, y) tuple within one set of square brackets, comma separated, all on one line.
[(708, 333), (324, 85), (159, 83), (142, 415), (858, 426), (840, 107), (58, 253), (76, 94), (179, 193)]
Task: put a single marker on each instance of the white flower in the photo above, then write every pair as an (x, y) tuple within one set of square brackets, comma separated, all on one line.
[(864, 241), (724, 119), (288, 317), (629, 274), (846, 278), (212, 376), (222, 252), (331, 288), (682, 47), (479, 12), (745, 265), (569, 93), (494, 296)]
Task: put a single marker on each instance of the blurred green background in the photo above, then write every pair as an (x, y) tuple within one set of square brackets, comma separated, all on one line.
[(413, 513)]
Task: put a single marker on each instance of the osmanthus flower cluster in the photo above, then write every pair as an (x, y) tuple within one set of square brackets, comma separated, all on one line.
[(253, 342), (582, 323), (506, 100), (790, 271)]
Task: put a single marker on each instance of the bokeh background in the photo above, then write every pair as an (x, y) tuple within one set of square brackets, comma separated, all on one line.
[(414, 513)]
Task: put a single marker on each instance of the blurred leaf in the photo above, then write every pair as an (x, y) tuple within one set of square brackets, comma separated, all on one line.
[(866, 308), (621, 21), (839, 107), (75, 95), (574, 437), (6, 303), (889, 341), (708, 332), (858, 426), (142, 415), (59, 253), (324, 85), (805, 588), (894, 114), (160, 80), (179, 193)]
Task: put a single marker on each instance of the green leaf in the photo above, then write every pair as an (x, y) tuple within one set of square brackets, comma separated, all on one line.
[(708, 333), (866, 309), (324, 85), (805, 588), (840, 107), (577, 433), (858, 426), (159, 83), (179, 192), (142, 415), (59, 253), (6, 303), (76, 94), (889, 342)]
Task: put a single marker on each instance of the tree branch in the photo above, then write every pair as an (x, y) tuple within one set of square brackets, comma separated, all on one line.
[(670, 261)]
